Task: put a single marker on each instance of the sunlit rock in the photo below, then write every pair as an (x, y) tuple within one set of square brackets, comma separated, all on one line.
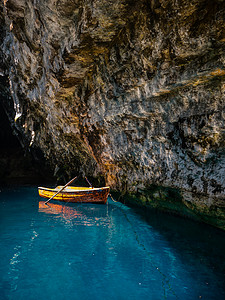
[(128, 91)]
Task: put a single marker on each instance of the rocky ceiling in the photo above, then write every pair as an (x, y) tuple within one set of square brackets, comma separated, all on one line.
[(129, 92)]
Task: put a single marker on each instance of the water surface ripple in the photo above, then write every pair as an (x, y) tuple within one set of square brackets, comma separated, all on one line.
[(92, 251)]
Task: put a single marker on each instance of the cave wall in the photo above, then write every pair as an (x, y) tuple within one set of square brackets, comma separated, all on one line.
[(132, 91), (17, 164)]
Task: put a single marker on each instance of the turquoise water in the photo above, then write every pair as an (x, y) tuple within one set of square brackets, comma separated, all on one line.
[(81, 251)]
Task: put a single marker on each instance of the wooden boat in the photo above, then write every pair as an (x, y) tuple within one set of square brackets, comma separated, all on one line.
[(76, 194)]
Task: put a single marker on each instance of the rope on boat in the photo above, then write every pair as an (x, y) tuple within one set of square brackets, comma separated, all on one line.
[(112, 198)]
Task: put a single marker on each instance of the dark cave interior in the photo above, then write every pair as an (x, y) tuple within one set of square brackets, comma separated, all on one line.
[(7, 139), (17, 166)]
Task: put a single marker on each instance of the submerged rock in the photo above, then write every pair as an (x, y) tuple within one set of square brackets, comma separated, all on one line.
[(132, 91)]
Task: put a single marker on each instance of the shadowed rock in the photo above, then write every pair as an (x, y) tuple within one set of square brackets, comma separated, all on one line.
[(129, 90)]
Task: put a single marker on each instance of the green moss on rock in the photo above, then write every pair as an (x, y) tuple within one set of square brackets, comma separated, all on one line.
[(171, 200)]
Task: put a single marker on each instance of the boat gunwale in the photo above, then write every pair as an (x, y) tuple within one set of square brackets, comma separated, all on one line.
[(71, 190)]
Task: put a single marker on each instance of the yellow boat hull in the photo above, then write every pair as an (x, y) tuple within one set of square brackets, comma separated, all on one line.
[(76, 194)]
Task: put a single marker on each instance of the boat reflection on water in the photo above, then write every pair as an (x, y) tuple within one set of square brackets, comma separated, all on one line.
[(82, 214)]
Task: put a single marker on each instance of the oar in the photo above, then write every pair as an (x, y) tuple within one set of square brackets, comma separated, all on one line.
[(61, 189), (89, 182)]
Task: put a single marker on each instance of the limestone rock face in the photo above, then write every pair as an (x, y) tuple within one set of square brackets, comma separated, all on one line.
[(129, 90)]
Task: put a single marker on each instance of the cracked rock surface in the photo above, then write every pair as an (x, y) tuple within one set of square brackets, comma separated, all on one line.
[(125, 90)]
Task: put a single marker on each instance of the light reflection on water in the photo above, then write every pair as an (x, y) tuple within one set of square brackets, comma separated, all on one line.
[(76, 214), (82, 251)]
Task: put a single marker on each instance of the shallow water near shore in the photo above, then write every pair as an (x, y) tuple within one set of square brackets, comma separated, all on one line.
[(92, 251)]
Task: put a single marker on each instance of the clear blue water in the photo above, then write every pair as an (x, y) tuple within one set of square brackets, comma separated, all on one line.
[(81, 251)]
